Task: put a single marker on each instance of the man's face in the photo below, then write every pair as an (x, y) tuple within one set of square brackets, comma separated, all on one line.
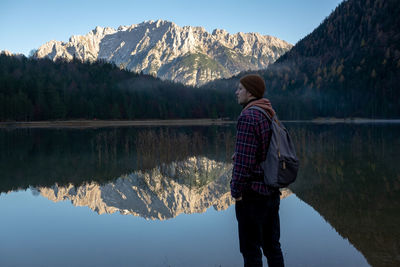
[(242, 95)]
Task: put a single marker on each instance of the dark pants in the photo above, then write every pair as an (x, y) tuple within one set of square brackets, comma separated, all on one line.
[(258, 221)]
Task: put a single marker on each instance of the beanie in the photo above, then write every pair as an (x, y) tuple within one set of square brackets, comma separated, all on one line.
[(254, 83)]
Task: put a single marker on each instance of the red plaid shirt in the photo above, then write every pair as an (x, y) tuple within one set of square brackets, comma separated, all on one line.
[(252, 141)]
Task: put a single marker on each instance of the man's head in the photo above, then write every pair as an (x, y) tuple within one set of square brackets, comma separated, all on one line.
[(251, 86)]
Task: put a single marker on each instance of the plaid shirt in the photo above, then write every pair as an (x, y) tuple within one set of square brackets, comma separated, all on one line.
[(252, 141)]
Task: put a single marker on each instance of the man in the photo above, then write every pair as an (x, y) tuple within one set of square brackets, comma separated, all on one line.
[(257, 205)]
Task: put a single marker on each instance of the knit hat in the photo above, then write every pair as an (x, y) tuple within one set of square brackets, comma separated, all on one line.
[(255, 84)]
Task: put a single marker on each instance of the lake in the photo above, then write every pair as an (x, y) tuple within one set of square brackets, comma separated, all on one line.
[(159, 196)]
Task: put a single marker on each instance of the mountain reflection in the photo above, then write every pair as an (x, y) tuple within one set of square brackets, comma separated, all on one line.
[(157, 193), (190, 186)]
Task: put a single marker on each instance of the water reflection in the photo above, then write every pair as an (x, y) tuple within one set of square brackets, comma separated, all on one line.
[(349, 174), (42, 157), (190, 186), (155, 193)]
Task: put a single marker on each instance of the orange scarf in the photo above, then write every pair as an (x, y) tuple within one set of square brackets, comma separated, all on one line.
[(263, 103)]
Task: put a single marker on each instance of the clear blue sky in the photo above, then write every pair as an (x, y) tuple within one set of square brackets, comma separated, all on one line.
[(27, 24)]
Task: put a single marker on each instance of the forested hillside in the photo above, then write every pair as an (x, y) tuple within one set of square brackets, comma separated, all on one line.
[(349, 66), (33, 89)]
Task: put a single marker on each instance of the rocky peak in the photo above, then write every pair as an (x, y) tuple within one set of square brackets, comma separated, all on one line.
[(186, 54)]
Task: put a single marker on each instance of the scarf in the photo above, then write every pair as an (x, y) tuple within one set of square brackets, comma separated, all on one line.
[(263, 103)]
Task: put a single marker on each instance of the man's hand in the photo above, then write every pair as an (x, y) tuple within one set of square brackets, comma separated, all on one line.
[(238, 198)]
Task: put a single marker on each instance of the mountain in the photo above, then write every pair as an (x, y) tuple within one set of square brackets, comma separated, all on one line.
[(190, 55), (349, 66)]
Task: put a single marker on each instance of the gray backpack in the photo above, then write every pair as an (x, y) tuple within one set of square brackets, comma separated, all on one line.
[(281, 165)]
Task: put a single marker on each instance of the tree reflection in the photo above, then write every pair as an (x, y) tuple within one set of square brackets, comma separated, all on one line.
[(43, 157), (351, 176)]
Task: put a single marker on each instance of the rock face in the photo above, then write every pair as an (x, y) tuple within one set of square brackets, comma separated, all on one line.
[(190, 55), (190, 186)]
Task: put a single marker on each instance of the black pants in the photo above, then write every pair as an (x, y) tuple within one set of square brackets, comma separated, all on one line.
[(258, 220)]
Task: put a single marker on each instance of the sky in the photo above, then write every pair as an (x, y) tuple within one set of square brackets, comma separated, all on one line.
[(28, 24)]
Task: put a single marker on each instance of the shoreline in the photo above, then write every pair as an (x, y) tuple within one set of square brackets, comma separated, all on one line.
[(353, 120), (172, 122), (113, 123)]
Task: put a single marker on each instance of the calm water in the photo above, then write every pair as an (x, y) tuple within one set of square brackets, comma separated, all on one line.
[(159, 196)]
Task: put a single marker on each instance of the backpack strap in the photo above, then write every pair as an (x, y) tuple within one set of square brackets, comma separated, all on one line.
[(274, 118), (263, 112), (270, 120)]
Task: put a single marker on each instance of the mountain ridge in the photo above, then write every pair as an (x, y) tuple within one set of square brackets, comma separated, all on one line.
[(188, 54)]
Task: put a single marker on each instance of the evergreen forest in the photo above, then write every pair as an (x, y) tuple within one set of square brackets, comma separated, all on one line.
[(39, 89)]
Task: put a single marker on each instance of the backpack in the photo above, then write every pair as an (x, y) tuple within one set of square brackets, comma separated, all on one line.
[(281, 164)]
